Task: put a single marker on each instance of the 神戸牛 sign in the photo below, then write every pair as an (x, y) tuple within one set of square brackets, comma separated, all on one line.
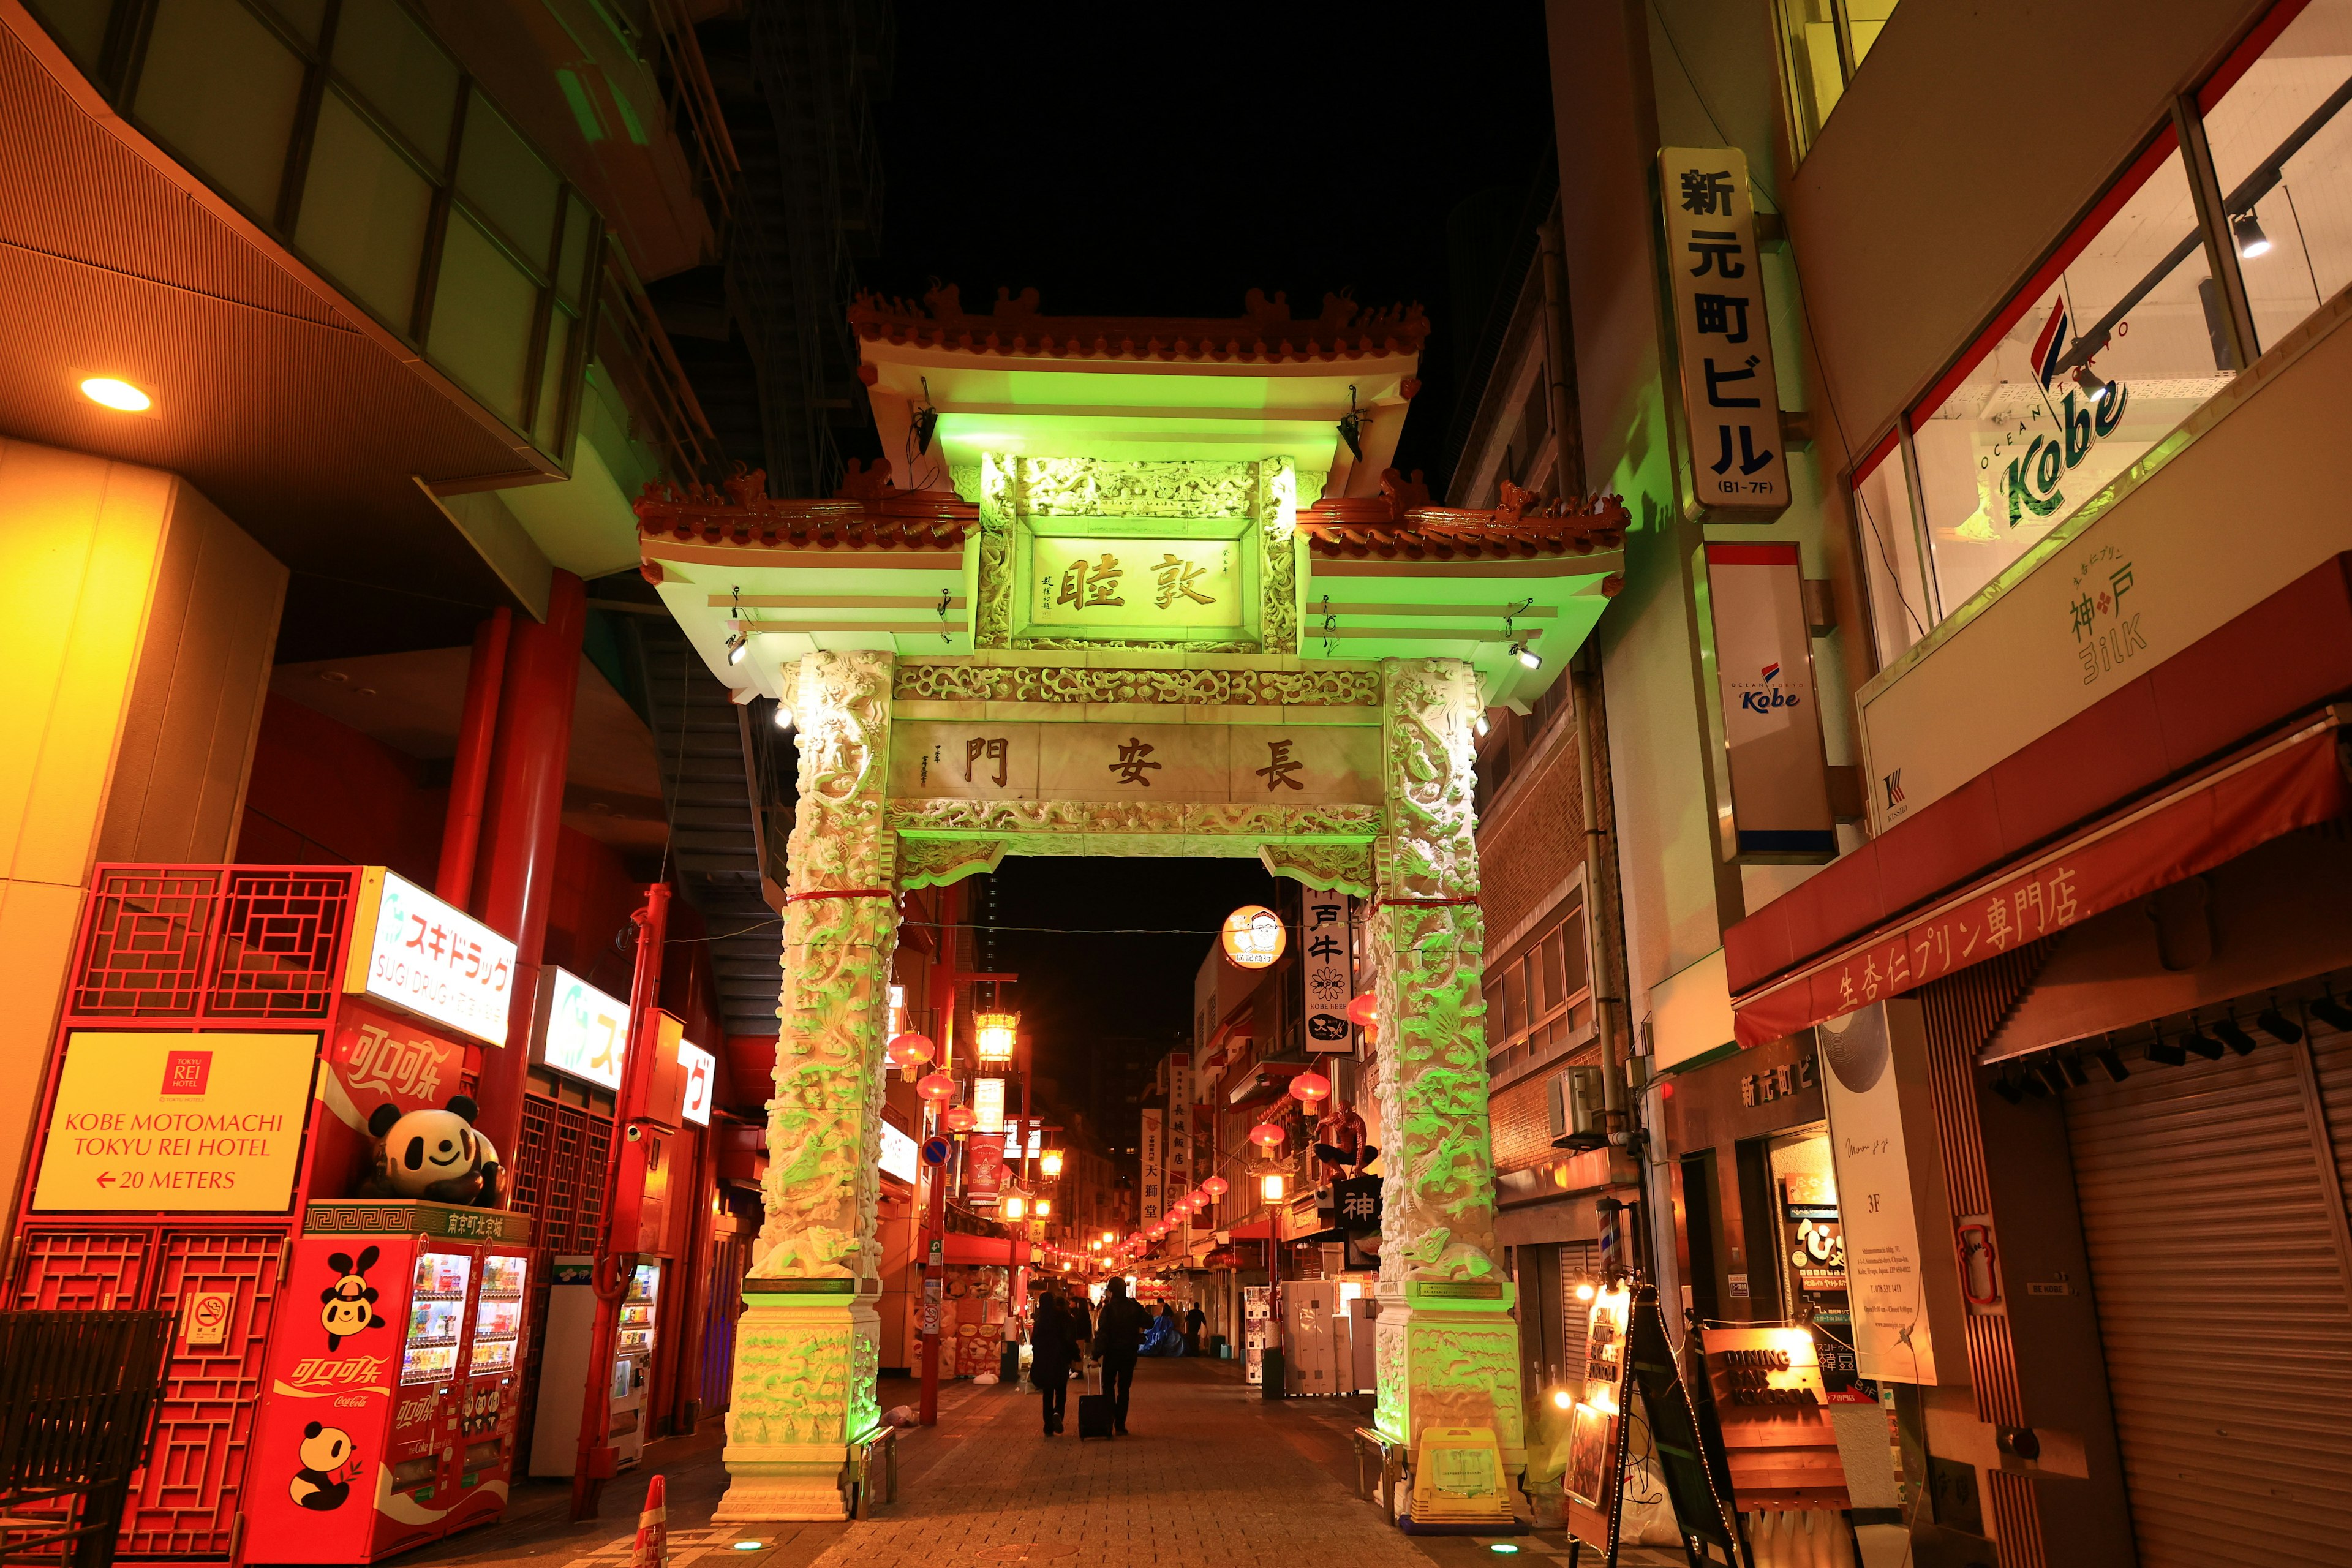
[(1731, 393), (165, 1122), (1773, 770), (584, 1032), (414, 952), (1327, 971)]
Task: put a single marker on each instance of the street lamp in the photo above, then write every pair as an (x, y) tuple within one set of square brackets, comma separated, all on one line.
[(994, 1036), (1015, 1205), (1270, 1186), (1050, 1164)]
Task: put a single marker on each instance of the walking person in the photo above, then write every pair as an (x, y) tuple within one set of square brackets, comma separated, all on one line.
[(1119, 1334), (1053, 1346), (1082, 1323), (1194, 1321)]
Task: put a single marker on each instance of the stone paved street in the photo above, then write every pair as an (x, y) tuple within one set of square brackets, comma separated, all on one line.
[(1212, 1476)]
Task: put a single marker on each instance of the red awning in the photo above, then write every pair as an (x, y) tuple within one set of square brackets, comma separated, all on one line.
[(1255, 1230), (963, 1248), (2215, 814)]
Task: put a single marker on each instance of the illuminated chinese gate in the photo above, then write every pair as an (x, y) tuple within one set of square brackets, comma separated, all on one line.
[(1125, 647)]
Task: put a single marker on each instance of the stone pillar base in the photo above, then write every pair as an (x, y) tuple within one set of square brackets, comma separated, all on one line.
[(804, 1369), (1447, 1354)]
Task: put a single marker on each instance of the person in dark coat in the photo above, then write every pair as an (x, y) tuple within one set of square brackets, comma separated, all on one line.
[(1053, 1346), (1082, 1321), (1119, 1329), (1194, 1321)]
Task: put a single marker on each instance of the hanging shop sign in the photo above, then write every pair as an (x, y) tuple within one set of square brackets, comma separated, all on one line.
[(988, 1105), (177, 1123), (1154, 1168), (1771, 768), (1176, 1178), (1871, 1150), (414, 952), (699, 1069), (1327, 971), (901, 1157), (1254, 937), (1731, 393), (582, 1031), (1305, 764), (983, 1172)]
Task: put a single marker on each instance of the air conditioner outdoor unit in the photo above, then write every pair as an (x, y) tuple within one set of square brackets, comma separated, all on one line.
[(1576, 1116)]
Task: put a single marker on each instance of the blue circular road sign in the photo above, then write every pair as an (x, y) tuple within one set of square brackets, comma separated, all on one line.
[(935, 1151)]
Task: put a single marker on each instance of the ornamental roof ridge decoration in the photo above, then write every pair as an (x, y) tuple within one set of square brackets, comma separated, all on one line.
[(1265, 332), (1400, 522), (867, 512)]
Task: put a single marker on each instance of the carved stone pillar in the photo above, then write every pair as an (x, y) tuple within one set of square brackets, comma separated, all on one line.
[(806, 1347), (1448, 1351)]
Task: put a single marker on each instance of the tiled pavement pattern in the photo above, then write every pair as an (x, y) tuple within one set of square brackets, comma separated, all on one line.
[(1212, 1476)]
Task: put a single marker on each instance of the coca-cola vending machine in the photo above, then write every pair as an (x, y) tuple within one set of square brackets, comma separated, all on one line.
[(392, 1410)]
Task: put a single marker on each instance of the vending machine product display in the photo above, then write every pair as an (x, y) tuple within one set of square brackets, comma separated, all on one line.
[(393, 1408), (563, 1367), (632, 1371)]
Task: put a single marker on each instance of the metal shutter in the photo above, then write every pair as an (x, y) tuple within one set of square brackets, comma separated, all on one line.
[(2223, 1306)]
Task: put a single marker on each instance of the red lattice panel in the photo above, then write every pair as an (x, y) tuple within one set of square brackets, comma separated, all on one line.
[(184, 1502), (279, 934), (81, 1271), (527, 1171), (143, 957)]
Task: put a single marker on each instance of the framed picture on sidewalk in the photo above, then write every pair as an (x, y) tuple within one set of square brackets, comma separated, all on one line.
[(1588, 1454)]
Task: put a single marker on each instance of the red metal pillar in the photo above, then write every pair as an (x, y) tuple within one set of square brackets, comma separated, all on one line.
[(469, 779), (522, 812), (625, 1190)]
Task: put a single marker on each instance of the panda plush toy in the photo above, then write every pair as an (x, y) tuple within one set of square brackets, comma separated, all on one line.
[(433, 1155)]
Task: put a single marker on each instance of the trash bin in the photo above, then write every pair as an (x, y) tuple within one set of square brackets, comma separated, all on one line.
[(78, 1392)]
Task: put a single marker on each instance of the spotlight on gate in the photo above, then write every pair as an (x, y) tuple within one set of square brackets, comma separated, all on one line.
[(783, 716), (2112, 1061), (2278, 1024), (2329, 1011), (2071, 1065), (737, 646), (2199, 1043), (2228, 1032), (1529, 657), (2171, 1053)]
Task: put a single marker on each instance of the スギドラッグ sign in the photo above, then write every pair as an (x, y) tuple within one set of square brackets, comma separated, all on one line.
[(171, 1122), (425, 957)]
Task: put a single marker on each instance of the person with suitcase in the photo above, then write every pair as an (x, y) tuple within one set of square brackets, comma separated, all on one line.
[(1052, 1347), (1119, 1329)]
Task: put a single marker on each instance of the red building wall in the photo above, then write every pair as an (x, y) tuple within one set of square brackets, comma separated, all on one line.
[(322, 792)]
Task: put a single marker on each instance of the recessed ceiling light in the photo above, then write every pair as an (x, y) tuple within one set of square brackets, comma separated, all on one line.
[(110, 392)]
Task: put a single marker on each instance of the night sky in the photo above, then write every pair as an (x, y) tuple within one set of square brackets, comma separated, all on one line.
[(1163, 160)]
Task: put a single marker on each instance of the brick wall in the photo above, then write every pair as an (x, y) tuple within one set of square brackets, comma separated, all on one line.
[(1520, 1117), (1536, 840)]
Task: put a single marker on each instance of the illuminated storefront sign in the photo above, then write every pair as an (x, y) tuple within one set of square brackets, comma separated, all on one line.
[(424, 957), (585, 1032), (898, 1154), (698, 1069), (988, 1104)]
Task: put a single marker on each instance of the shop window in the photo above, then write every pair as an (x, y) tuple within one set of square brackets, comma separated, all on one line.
[(2282, 139), (1901, 593), (222, 91), (1539, 1003), (1823, 43), (2117, 340)]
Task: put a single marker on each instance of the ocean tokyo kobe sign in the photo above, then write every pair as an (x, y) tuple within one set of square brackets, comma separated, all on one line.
[(2030, 482)]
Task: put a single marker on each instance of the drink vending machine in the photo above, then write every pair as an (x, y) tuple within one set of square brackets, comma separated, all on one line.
[(392, 1417), (564, 1365)]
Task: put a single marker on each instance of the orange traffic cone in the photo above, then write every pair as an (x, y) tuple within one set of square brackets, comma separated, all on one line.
[(651, 1548)]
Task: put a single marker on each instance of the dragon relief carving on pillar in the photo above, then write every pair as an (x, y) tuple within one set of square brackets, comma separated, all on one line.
[(1347, 867), (1429, 941), (840, 927), (1000, 502)]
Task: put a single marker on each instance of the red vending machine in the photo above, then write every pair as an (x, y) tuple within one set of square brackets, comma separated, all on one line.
[(392, 1420)]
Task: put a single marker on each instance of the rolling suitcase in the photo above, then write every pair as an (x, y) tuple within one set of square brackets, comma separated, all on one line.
[(1094, 1407)]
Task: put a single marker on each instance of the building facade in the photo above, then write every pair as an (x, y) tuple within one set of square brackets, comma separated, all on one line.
[(1972, 805)]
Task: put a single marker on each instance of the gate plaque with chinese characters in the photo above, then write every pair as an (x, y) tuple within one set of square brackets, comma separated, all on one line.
[(1731, 395)]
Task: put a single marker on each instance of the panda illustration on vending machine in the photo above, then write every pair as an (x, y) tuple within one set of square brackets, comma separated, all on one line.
[(391, 1415)]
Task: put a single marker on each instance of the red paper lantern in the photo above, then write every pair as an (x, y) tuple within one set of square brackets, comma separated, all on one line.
[(963, 1118), (1309, 1086), (1265, 1135), (910, 1049), (938, 1088), (1363, 1010), (1216, 1186)]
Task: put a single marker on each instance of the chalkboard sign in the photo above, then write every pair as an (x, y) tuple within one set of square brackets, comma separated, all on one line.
[(1688, 1438)]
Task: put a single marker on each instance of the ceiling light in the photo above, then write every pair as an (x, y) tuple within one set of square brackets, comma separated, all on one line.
[(2200, 1043), (1480, 725), (927, 420), (2088, 380), (2280, 1027), (1527, 657), (2108, 1059), (737, 646), (2071, 1066), (110, 392), (2246, 229), (2329, 1011), (2006, 1086), (2171, 1053), (1352, 427), (2236, 1039), (783, 716)]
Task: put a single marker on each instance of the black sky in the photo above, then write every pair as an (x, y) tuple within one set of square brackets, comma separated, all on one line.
[(1164, 161)]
